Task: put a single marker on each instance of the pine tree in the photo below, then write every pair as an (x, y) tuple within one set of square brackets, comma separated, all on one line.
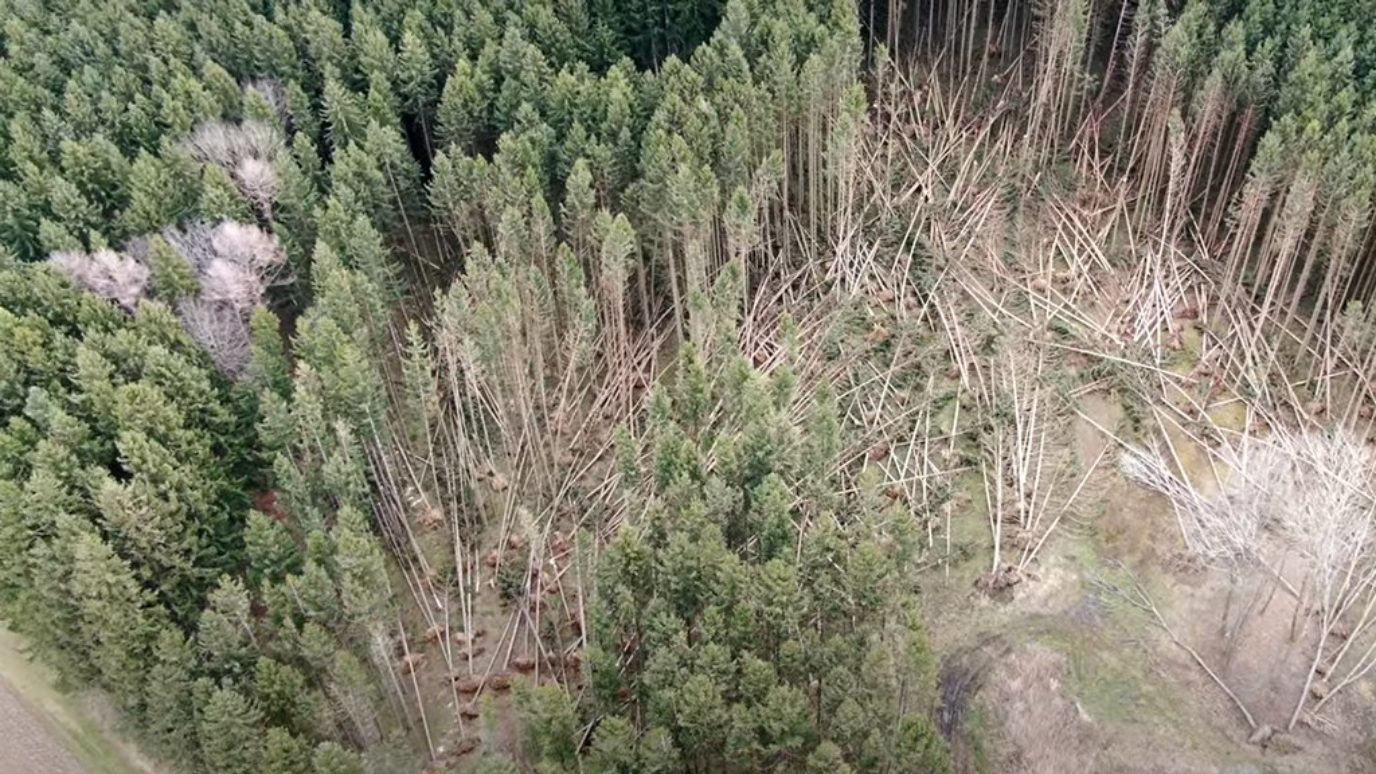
[(271, 551), (169, 717), (113, 616), (284, 753), (331, 758), (230, 732), (225, 634)]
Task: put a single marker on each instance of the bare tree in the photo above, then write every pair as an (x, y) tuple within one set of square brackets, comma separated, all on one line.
[(234, 263), (108, 274), (248, 151), (1313, 492), (221, 330)]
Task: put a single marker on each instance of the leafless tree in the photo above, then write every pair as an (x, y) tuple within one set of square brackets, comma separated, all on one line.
[(224, 144), (235, 264), (248, 151), (1310, 489), (257, 180), (108, 274), (220, 329), (1221, 528)]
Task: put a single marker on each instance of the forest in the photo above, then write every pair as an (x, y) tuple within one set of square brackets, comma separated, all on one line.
[(692, 385)]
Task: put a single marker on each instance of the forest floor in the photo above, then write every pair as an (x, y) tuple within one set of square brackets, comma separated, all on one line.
[(1060, 673), (49, 732)]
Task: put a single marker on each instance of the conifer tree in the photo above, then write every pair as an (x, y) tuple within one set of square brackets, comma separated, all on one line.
[(113, 617), (168, 711), (343, 114), (229, 729), (331, 758), (282, 696), (416, 77), (173, 278), (361, 572), (270, 549), (225, 634), (284, 753)]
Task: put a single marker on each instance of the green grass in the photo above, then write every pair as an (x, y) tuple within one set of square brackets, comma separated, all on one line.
[(1108, 679), (86, 739), (975, 731)]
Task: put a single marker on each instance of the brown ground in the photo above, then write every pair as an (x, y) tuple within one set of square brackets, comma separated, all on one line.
[(1067, 677)]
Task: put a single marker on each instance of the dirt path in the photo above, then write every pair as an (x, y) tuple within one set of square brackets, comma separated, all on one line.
[(46, 731), (28, 743)]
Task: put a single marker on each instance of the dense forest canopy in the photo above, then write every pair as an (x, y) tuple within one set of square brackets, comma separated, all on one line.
[(328, 329)]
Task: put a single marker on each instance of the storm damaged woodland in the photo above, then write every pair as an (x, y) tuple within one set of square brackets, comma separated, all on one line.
[(695, 386)]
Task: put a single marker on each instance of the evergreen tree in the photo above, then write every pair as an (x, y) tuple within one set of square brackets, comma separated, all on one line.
[(364, 588), (285, 754), (270, 548), (416, 75), (161, 192), (283, 696), (550, 726), (229, 729), (463, 106), (169, 715), (113, 618), (225, 634), (331, 758), (173, 277)]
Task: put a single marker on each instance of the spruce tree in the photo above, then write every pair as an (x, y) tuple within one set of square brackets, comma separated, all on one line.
[(169, 716), (114, 620), (225, 634), (284, 753), (230, 732), (270, 549), (332, 758), (361, 571), (282, 696)]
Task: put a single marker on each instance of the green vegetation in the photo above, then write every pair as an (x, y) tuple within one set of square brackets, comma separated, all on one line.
[(328, 329), (749, 620)]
